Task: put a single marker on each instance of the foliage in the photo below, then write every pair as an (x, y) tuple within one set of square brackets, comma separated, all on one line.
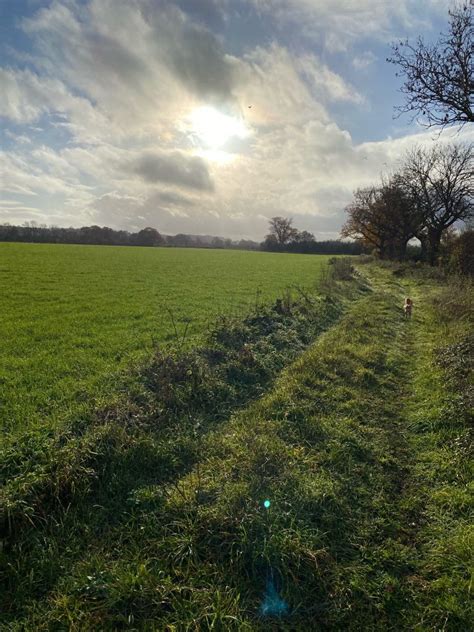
[(455, 302), (283, 237), (383, 218), (99, 235), (328, 247), (458, 255), (439, 79), (342, 268)]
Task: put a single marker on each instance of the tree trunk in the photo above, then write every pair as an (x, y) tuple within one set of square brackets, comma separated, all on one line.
[(424, 247), (434, 243), (402, 249)]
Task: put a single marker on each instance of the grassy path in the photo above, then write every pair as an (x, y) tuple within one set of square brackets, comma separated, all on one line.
[(438, 503), (361, 447), (426, 555)]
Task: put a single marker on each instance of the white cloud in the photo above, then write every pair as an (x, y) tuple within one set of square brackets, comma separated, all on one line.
[(328, 85), (341, 23), (26, 96), (364, 61), (270, 80), (139, 84)]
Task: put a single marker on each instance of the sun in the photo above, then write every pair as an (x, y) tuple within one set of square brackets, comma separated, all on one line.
[(214, 129)]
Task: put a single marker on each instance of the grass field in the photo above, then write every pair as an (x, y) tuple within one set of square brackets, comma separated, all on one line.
[(73, 316), (362, 445)]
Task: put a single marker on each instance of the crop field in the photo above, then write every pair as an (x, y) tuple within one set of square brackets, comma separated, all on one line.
[(72, 317)]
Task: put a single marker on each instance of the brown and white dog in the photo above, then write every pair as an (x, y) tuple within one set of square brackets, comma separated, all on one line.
[(407, 307)]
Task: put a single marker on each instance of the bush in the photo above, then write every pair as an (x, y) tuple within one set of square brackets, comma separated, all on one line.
[(455, 302), (457, 360), (366, 259), (460, 256), (341, 268)]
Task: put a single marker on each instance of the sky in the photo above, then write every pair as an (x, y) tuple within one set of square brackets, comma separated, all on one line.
[(202, 116)]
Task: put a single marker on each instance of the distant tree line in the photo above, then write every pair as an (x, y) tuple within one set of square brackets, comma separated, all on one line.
[(32, 232), (327, 247), (104, 236), (295, 241), (284, 237)]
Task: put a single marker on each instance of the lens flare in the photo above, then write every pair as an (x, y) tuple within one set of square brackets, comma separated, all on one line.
[(273, 605), (266, 504)]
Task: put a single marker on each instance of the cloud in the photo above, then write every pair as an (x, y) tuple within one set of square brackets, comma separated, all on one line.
[(327, 84), (339, 24), (115, 209), (26, 96), (18, 101), (139, 84), (199, 61), (363, 61), (170, 198), (271, 80), (172, 168), (21, 174)]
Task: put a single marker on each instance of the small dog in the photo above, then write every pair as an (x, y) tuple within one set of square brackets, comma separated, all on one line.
[(407, 307)]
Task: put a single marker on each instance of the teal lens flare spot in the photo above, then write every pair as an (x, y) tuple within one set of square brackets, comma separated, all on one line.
[(266, 504)]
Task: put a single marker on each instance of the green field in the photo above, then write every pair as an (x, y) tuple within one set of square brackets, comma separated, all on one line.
[(308, 469), (73, 316)]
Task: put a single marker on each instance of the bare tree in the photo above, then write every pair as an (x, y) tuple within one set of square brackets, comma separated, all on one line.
[(439, 78), (364, 221), (303, 236), (441, 184), (402, 216), (281, 230), (383, 218)]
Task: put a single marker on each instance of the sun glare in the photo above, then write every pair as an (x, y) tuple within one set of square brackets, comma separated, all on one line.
[(214, 129), (216, 155)]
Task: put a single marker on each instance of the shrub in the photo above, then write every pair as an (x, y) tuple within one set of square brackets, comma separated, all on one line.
[(366, 259), (341, 268), (455, 302), (460, 256)]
